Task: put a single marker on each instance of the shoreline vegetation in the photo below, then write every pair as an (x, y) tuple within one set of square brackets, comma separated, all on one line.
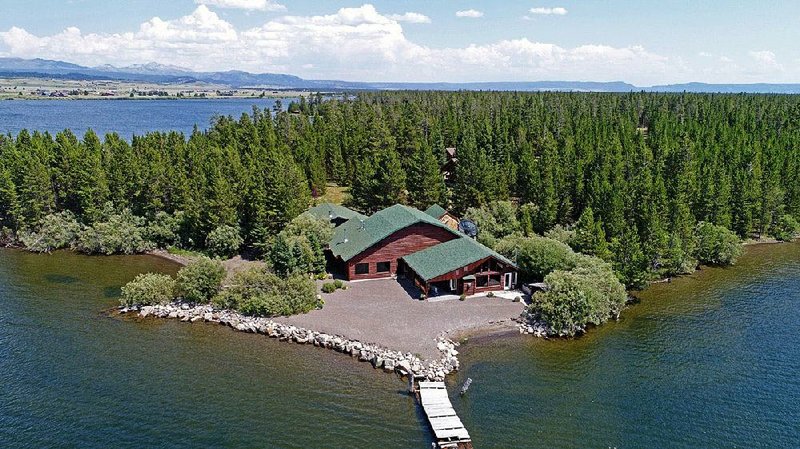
[(593, 194)]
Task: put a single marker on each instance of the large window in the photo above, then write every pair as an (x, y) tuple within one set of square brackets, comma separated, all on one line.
[(362, 268), (384, 267), (482, 281)]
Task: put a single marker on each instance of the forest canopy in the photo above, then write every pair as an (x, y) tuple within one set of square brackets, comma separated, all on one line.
[(646, 169)]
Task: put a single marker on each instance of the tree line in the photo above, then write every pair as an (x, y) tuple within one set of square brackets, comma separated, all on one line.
[(638, 169)]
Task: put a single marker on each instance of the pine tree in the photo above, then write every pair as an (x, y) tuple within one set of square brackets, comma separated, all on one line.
[(425, 181), (590, 238)]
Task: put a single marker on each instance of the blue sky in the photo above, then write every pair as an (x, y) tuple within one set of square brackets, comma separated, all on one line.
[(644, 42)]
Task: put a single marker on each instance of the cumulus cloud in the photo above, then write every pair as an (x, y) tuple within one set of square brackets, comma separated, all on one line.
[(411, 17), (352, 43), (469, 13), (558, 11), (250, 5)]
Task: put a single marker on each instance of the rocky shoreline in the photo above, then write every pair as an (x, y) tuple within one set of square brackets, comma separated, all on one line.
[(404, 364)]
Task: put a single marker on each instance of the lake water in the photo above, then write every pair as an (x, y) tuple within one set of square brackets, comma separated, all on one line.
[(125, 117), (710, 360)]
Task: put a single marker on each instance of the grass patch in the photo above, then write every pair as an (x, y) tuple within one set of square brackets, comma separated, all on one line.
[(334, 194)]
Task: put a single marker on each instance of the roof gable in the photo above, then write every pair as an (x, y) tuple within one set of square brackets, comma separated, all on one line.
[(436, 211), (449, 256), (356, 236)]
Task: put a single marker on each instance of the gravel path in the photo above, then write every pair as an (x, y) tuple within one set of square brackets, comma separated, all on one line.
[(383, 312)]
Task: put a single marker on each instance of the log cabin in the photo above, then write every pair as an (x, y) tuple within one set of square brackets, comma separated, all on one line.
[(403, 241)]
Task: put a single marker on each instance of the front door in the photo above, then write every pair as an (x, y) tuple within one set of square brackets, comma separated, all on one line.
[(508, 281)]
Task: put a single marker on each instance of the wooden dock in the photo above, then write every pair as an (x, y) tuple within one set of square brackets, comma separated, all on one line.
[(447, 427)]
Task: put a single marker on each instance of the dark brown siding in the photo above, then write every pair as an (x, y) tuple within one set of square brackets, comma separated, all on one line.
[(400, 244), (474, 269)]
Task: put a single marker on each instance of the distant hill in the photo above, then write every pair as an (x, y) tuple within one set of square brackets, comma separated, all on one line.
[(166, 74)]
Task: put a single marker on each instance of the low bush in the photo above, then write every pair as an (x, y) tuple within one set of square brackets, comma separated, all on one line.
[(164, 229), (300, 247), (328, 287), (588, 294), (224, 242), (786, 228), (537, 256), (716, 245), (54, 231), (463, 297), (200, 280), (148, 289), (116, 233), (338, 283), (259, 292)]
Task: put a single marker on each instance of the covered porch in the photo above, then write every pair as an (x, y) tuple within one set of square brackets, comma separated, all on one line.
[(460, 267)]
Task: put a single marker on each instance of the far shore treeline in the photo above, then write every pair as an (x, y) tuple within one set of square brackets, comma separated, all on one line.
[(652, 181)]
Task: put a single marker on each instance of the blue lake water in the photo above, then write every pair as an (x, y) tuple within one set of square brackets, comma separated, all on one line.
[(125, 117)]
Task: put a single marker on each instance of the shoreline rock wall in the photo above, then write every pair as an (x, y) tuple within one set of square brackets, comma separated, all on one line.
[(404, 364)]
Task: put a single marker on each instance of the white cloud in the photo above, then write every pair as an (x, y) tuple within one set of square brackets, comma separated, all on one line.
[(470, 13), (250, 5), (558, 11), (411, 17), (765, 57), (361, 44)]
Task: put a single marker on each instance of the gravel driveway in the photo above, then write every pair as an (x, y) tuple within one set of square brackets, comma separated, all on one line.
[(383, 312)]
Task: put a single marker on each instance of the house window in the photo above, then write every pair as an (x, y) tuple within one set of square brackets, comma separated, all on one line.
[(482, 281), (362, 268), (384, 267)]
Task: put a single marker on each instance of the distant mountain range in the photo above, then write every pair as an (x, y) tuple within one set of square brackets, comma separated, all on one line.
[(165, 74)]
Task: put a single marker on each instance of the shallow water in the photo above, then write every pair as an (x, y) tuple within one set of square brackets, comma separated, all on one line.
[(125, 117), (71, 376), (709, 360)]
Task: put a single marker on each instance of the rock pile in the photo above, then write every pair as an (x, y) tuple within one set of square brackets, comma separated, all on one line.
[(404, 364), (528, 324)]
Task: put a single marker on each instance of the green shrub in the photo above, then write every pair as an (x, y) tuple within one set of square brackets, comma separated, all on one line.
[(300, 247), (55, 231), (200, 280), (495, 220), (116, 233), (716, 245), (259, 292), (224, 242), (164, 229), (786, 228), (338, 283), (328, 287), (463, 297), (537, 256), (588, 294), (490, 295), (561, 234), (148, 289)]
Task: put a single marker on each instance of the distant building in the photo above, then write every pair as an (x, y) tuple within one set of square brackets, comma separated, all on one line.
[(403, 241), (438, 212), (449, 167)]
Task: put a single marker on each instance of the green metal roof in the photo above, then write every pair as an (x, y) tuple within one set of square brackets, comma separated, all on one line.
[(330, 211), (449, 256), (436, 211), (356, 236)]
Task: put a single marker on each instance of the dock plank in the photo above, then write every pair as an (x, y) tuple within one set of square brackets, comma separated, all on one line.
[(445, 423)]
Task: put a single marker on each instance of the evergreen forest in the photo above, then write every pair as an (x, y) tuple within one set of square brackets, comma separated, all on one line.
[(645, 181)]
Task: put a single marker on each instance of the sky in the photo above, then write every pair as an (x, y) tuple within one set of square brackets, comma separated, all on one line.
[(644, 42)]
